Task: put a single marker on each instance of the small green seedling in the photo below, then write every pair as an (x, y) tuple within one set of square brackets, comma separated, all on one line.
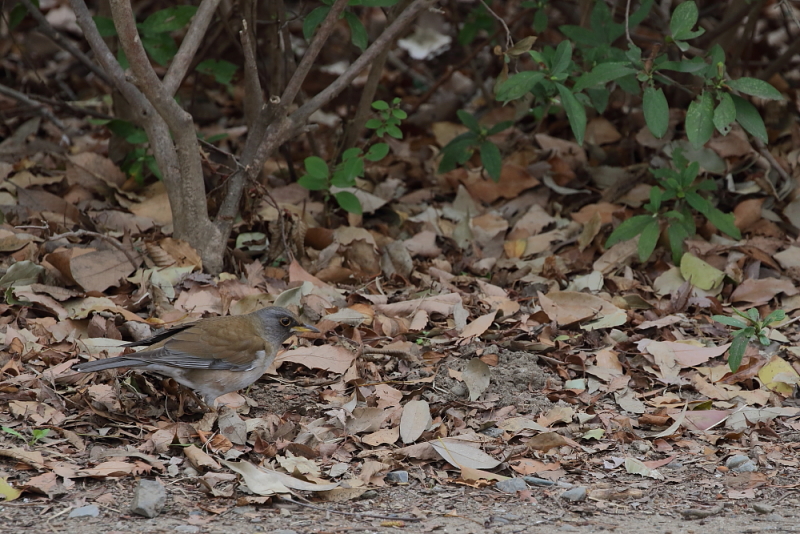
[(750, 329), (36, 434)]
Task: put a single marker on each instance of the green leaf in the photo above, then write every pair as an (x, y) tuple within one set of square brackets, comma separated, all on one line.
[(168, 20), (677, 235), (380, 105), (518, 85), (755, 87), (351, 169), (313, 20), (316, 167), (374, 124), (349, 202), (724, 114), (604, 73), (683, 19), (491, 159), (540, 20), (686, 65), (221, 70), (160, 47), (105, 26), (777, 315), (499, 127), (468, 120), (648, 240), (576, 113), (17, 15), (377, 152), (656, 111), (351, 153), (313, 183), (700, 120), (729, 321), (724, 222), (582, 36), (736, 351), (629, 229), (599, 97), (747, 116), (394, 131), (399, 114), (562, 57), (358, 34), (698, 203)]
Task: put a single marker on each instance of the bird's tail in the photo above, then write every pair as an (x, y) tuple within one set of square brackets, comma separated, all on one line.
[(107, 363)]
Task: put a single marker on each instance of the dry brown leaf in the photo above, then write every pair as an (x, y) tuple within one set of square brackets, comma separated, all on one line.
[(415, 420)]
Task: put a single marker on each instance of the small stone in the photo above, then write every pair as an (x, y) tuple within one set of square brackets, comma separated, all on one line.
[(149, 498), (740, 463), (369, 494), (763, 508), (187, 529), (492, 432), (576, 494), (397, 477), (536, 481), (284, 531), (241, 510), (512, 485), (90, 510)]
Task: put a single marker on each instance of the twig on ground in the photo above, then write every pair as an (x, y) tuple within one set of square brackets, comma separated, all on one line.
[(350, 514), (39, 108)]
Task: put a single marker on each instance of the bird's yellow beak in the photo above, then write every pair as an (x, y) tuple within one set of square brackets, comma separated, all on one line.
[(301, 328)]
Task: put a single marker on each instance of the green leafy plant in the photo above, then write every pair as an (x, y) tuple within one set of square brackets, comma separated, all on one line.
[(138, 159), (559, 81), (319, 177), (358, 34), (680, 187), (751, 329), (388, 121), (461, 148), (36, 434)]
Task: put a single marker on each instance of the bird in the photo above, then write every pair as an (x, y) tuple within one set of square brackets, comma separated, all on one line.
[(213, 356)]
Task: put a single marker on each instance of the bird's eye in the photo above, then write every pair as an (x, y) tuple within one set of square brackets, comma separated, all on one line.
[(286, 321)]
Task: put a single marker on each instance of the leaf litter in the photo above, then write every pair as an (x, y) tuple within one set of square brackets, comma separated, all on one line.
[(479, 334)]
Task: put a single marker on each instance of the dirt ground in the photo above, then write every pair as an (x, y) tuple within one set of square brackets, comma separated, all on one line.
[(445, 509), (694, 496)]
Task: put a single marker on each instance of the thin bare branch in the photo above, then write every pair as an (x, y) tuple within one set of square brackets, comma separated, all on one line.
[(323, 32), (40, 109), (46, 28), (194, 37), (108, 62), (253, 96)]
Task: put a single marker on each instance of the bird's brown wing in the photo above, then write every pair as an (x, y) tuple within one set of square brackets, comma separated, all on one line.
[(208, 348)]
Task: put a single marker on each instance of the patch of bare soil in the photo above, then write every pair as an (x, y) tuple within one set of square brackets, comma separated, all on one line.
[(446, 509)]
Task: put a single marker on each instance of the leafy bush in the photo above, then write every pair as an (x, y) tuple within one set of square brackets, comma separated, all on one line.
[(678, 186), (319, 177)]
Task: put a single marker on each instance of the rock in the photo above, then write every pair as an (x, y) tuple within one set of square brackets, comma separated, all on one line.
[(576, 494), (740, 463), (763, 508), (512, 485), (536, 481), (149, 498), (90, 510), (188, 529), (397, 477)]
